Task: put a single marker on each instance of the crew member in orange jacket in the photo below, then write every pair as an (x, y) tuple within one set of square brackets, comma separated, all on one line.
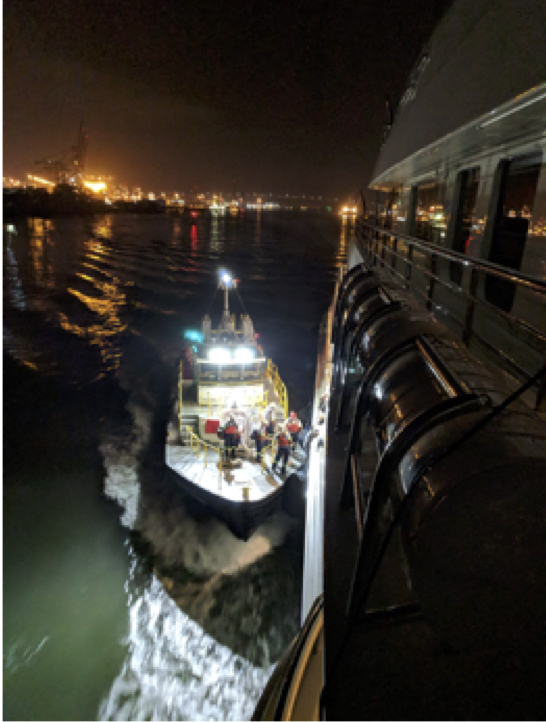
[(294, 426), (284, 443)]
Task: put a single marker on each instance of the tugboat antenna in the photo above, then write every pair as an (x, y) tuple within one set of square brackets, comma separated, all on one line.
[(226, 304), (226, 282)]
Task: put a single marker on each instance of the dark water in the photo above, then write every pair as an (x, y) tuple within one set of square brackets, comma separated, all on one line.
[(121, 600)]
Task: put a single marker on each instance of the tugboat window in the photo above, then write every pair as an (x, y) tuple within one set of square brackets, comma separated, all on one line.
[(429, 222), (466, 192), (517, 191)]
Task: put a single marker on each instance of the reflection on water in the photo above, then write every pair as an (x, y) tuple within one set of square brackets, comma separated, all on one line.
[(217, 231), (40, 243), (258, 234), (103, 227), (174, 670), (13, 284), (106, 308), (101, 306), (18, 654)]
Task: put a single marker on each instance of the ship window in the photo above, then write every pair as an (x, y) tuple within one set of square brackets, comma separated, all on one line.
[(517, 191), (466, 194), (387, 207), (391, 210), (429, 222)]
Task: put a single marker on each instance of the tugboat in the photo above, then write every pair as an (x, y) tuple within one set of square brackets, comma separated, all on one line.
[(236, 393)]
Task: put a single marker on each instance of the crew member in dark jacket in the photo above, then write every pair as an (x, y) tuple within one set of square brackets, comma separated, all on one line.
[(284, 444), (231, 433), (270, 428), (259, 436)]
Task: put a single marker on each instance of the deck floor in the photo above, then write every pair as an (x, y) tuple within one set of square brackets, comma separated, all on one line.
[(229, 482)]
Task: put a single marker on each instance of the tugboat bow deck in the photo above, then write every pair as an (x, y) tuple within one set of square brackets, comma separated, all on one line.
[(228, 481)]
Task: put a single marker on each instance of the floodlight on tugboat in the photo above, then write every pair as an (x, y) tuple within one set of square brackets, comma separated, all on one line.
[(226, 279), (219, 355), (244, 354)]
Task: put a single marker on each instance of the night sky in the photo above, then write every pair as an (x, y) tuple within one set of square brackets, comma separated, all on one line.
[(270, 96)]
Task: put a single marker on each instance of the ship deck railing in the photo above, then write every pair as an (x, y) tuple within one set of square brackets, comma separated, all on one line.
[(199, 447), (425, 269), (204, 449), (278, 384)]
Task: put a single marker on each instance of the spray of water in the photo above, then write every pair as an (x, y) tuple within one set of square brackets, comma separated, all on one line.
[(121, 458), (174, 670)]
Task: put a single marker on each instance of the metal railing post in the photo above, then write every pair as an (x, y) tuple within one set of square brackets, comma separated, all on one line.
[(433, 267), (540, 402), (409, 264), (372, 235), (180, 378), (368, 239), (471, 305)]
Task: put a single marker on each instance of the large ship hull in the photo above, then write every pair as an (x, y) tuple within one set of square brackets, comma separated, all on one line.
[(426, 502)]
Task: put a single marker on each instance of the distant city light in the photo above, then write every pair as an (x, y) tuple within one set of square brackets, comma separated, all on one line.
[(40, 180), (112, 192), (95, 186)]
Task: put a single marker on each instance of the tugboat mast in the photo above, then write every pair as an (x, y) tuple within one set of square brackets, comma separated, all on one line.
[(226, 283)]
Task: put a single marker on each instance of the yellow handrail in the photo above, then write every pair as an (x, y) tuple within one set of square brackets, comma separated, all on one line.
[(278, 384), (203, 445), (180, 386)]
